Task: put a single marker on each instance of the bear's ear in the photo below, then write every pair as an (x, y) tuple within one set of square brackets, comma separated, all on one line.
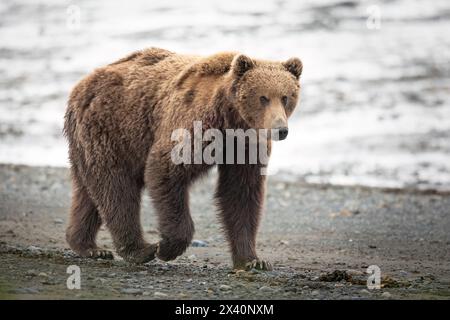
[(241, 64), (294, 66)]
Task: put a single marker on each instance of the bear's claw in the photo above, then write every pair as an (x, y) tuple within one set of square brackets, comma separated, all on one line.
[(259, 265), (100, 254)]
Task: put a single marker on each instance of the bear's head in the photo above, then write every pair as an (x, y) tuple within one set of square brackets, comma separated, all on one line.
[(266, 93)]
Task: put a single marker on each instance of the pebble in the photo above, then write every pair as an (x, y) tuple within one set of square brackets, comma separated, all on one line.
[(199, 243), (131, 291), (225, 287), (31, 273), (48, 281), (34, 249), (386, 294), (183, 295), (158, 294), (58, 221), (192, 257), (315, 292), (266, 289), (365, 291), (26, 291)]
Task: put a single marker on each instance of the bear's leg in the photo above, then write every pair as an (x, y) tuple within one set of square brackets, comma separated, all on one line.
[(84, 224), (169, 192), (118, 198), (240, 197)]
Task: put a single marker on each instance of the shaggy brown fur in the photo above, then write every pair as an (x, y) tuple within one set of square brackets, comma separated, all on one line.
[(119, 123)]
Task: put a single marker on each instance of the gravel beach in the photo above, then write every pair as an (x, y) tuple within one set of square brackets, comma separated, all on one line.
[(320, 238)]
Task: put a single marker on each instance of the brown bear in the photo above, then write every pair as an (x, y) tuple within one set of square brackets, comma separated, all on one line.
[(119, 122)]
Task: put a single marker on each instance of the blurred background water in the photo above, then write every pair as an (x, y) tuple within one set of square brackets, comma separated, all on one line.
[(375, 105)]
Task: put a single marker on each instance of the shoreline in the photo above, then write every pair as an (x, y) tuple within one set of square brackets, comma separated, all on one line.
[(445, 190)]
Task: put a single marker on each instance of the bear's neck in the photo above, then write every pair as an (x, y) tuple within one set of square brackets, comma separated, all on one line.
[(224, 114)]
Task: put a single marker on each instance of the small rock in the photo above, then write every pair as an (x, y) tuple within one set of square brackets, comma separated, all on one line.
[(266, 289), (146, 293), (342, 213), (43, 274), (34, 249), (225, 287), (386, 295), (131, 291), (192, 257), (183, 295), (58, 221), (158, 294), (48, 281), (31, 273), (336, 275), (315, 292), (199, 243), (284, 242), (26, 291), (365, 291)]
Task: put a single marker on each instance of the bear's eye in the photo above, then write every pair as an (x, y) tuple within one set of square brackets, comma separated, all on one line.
[(264, 100), (284, 100)]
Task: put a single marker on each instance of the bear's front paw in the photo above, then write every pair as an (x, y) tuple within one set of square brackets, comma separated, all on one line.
[(143, 255), (257, 264)]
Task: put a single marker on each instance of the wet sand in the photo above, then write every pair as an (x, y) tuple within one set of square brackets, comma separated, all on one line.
[(321, 239)]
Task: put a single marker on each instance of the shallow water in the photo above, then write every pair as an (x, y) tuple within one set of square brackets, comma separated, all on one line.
[(375, 106)]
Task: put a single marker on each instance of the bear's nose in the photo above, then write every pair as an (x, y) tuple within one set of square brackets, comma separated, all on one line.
[(282, 133)]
